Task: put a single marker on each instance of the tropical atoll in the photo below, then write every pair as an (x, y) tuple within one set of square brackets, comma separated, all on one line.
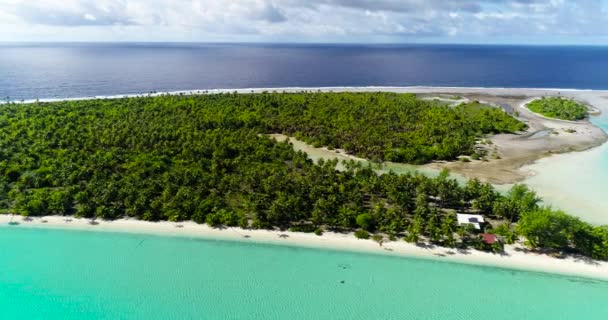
[(209, 159)]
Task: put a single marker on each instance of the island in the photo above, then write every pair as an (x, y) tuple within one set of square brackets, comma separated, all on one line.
[(215, 159), (558, 108)]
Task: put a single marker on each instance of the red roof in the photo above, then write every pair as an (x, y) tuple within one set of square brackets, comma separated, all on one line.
[(489, 238)]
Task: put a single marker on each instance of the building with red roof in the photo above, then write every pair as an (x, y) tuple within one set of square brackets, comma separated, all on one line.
[(489, 238)]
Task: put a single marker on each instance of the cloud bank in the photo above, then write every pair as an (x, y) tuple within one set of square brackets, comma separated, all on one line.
[(529, 21)]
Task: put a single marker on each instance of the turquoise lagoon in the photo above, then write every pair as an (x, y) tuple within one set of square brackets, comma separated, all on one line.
[(61, 274), (576, 182)]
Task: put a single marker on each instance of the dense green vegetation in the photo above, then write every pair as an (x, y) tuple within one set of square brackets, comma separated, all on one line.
[(546, 228), (208, 159), (559, 108), (383, 126)]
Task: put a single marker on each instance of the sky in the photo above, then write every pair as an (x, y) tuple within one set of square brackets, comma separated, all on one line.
[(301, 21)]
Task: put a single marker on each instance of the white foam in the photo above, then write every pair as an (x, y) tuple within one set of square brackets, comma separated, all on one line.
[(413, 89)]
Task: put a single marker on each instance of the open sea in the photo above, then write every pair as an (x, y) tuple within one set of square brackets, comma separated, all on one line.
[(53, 274), (37, 71)]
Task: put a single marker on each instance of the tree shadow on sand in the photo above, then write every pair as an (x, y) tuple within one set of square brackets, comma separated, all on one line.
[(560, 255), (463, 251), (586, 260), (425, 245), (11, 222), (504, 254)]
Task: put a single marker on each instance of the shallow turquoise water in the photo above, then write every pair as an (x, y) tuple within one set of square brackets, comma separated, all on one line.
[(56, 274), (576, 182)]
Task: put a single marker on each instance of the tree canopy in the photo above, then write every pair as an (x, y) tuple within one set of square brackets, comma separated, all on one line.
[(209, 159), (547, 228), (559, 108)]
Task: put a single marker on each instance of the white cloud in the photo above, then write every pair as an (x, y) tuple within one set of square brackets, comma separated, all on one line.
[(89, 17), (299, 20)]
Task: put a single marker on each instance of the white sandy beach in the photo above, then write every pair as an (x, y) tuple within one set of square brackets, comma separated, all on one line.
[(514, 258)]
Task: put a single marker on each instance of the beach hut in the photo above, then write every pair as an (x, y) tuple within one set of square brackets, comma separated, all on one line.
[(472, 219)]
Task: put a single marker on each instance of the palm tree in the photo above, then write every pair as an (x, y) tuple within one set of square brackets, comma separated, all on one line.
[(511, 238), (415, 229), (447, 229), (464, 233), (413, 235), (432, 229)]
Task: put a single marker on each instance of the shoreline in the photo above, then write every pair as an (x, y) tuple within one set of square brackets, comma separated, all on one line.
[(572, 182), (543, 138), (591, 111), (395, 89), (514, 258)]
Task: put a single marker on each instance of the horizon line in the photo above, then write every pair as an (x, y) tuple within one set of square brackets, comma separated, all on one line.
[(314, 43)]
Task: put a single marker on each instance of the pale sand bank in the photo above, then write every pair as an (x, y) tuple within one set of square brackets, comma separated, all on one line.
[(543, 138), (316, 154), (514, 257)]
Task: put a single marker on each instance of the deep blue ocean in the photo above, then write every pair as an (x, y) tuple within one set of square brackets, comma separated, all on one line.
[(38, 71)]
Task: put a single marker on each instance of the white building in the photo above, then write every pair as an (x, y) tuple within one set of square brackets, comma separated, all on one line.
[(474, 219)]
